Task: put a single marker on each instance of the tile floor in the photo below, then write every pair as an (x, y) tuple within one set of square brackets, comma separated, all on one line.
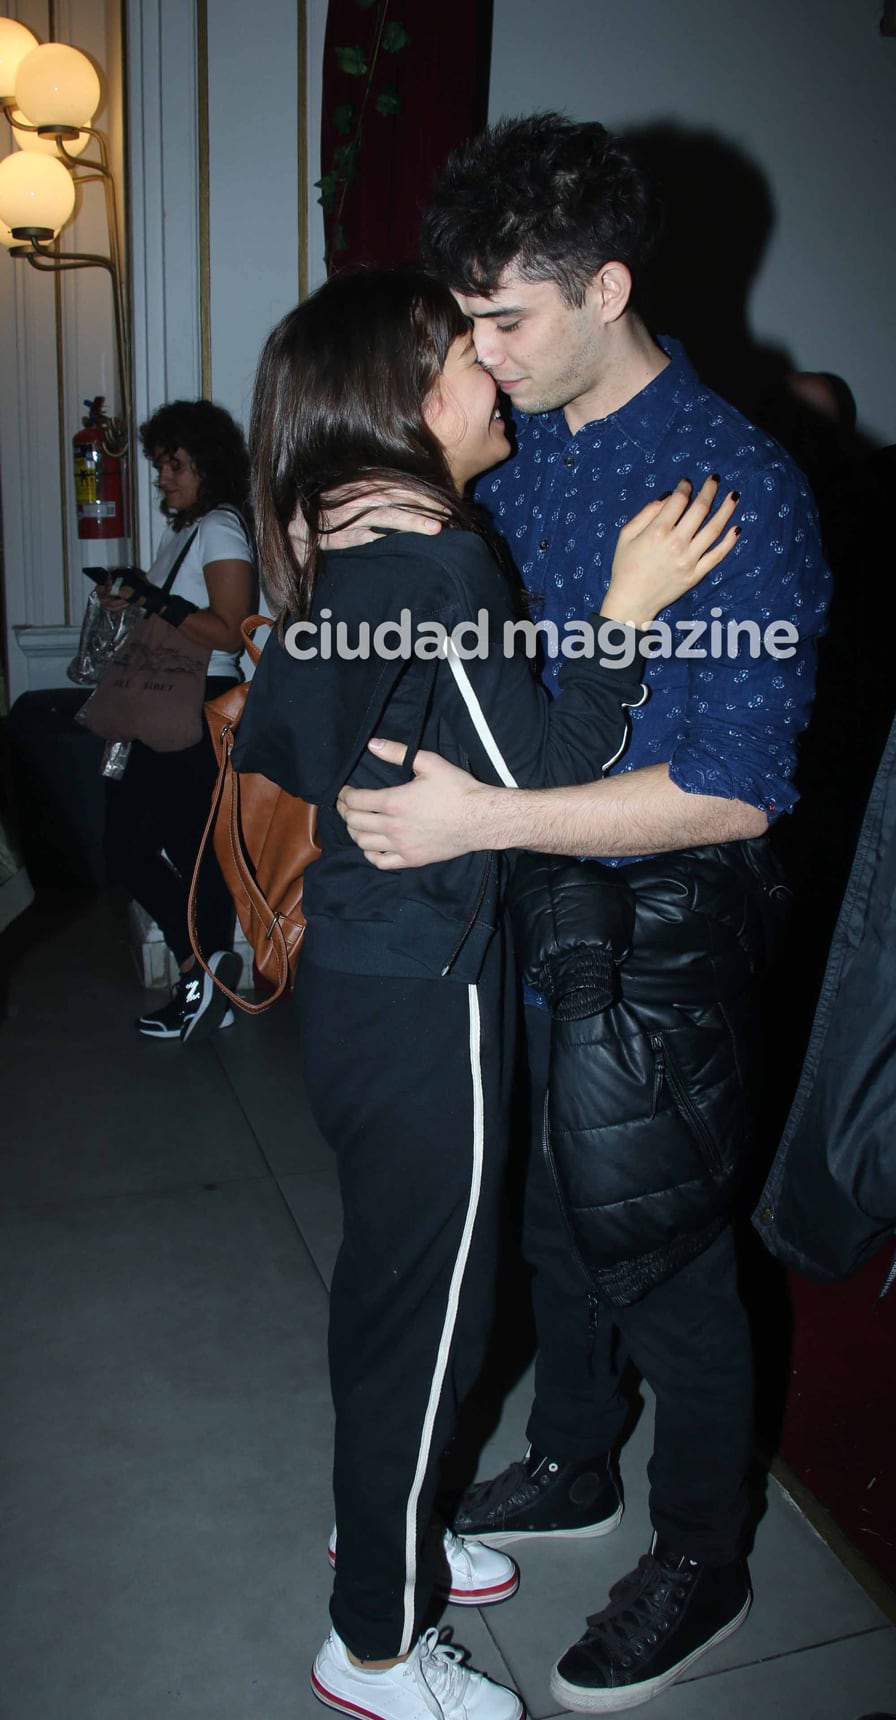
[(169, 1222)]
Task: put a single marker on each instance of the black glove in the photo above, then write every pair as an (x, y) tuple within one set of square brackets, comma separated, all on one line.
[(172, 609)]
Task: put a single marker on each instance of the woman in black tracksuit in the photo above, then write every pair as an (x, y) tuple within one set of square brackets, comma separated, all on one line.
[(407, 1016)]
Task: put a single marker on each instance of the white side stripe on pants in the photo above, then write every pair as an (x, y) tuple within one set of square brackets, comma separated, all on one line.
[(444, 1350)]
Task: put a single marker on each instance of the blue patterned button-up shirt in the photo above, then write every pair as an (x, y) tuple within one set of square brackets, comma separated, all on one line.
[(726, 726)]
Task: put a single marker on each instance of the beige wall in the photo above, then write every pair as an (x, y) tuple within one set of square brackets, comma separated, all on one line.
[(807, 89)]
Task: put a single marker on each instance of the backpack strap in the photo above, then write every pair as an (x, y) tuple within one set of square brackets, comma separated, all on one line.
[(227, 787), (178, 563), (227, 790)]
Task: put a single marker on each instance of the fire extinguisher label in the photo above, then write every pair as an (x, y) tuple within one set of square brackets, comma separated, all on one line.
[(85, 481), (99, 475)]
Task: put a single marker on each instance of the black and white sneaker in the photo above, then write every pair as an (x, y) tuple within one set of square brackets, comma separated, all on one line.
[(660, 1619), (542, 1497), (195, 1002), (207, 1007), (165, 1023)]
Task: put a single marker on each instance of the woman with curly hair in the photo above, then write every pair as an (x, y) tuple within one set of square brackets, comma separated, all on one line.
[(156, 814)]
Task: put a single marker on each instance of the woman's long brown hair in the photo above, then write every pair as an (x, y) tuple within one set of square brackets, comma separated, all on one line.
[(338, 412)]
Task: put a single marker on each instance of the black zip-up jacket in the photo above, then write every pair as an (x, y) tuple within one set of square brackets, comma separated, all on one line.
[(307, 723), (830, 1198)]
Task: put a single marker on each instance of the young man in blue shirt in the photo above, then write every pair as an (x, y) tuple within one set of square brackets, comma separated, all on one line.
[(541, 227)]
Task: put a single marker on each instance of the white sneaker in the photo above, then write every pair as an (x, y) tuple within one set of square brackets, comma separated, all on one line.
[(464, 1572), (433, 1680)]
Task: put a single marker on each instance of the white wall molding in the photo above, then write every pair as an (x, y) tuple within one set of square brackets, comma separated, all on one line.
[(256, 202), (89, 365), (39, 519), (29, 432), (29, 444), (163, 196), (46, 652)]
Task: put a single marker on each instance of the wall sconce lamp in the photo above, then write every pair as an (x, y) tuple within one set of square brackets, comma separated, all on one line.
[(49, 94)]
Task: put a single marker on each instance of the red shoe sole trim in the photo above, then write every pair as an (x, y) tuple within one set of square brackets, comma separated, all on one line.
[(340, 1702), (480, 1597)]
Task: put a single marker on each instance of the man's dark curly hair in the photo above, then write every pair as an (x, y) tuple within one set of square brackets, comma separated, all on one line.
[(553, 198), (215, 444)]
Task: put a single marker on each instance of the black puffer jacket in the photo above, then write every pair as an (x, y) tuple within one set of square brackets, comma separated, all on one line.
[(650, 974)]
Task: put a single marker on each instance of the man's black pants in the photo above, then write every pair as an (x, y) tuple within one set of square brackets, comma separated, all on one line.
[(689, 1339)]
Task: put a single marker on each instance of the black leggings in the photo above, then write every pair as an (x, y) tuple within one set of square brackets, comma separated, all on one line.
[(162, 803)]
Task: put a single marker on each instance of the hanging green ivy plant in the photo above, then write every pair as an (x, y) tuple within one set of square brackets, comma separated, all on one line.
[(348, 118), (395, 37)]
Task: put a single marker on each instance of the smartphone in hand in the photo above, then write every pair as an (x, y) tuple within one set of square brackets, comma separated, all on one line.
[(122, 581)]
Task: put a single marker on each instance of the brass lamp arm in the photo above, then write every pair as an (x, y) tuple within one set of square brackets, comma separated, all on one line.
[(47, 260)]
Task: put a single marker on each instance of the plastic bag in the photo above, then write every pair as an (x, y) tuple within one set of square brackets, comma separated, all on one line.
[(102, 631), (115, 757)]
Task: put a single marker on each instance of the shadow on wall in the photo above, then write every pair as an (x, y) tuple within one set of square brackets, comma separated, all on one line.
[(719, 216)]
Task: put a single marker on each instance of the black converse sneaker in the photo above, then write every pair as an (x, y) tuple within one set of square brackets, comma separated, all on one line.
[(659, 1620), (542, 1496), (195, 1003)]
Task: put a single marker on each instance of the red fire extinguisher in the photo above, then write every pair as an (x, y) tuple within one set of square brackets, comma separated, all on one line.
[(100, 456)]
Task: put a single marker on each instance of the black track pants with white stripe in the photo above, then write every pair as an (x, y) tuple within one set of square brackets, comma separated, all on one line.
[(409, 1082)]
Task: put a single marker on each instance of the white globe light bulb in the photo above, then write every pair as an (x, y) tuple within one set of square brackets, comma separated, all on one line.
[(46, 145), (6, 237), (57, 85), (35, 191), (15, 43)]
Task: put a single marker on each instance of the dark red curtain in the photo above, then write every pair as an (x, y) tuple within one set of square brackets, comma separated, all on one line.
[(440, 79)]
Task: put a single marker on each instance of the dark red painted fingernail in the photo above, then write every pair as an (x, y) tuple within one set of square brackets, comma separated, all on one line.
[(716, 477), (735, 495), (737, 531)]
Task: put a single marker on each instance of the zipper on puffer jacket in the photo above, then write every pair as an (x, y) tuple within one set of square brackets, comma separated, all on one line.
[(665, 1070)]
